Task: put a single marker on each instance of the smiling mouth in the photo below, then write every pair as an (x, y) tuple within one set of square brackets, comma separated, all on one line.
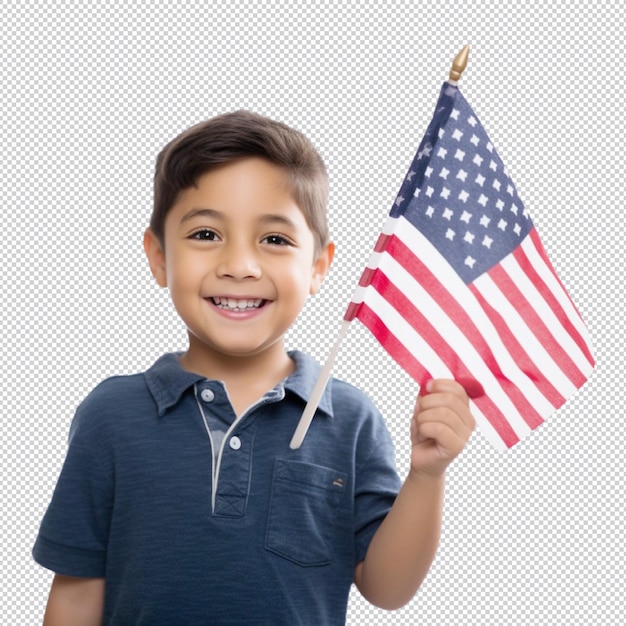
[(238, 304)]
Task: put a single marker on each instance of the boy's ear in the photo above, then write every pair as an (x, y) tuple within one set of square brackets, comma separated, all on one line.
[(156, 257), (321, 267)]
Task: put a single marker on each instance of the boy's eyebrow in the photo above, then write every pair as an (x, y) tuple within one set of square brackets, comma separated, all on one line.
[(201, 212), (267, 218), (274, 218)]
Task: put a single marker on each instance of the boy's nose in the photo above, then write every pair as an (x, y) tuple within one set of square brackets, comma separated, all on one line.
[(238, 263)]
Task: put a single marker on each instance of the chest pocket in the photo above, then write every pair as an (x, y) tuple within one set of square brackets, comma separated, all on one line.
[(304, 509)]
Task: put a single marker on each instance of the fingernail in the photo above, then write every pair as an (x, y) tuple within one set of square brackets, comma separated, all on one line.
[(425, 388)]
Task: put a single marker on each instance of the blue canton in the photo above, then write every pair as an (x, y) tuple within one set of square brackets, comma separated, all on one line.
[(458, 194)]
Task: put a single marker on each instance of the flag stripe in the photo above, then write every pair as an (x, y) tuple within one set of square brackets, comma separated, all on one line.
[(517, 352), (555, 289), (527, 315), (396, 348), (379, 322), (530, 287), (448, 319), (516, 368), (391, 292), (510, 324)]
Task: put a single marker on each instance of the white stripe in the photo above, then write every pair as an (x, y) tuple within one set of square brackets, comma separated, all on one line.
[(533, 348), (437, 264), (554, 285), (454, 337), (415, 344), (406, 335), (485, 427), (534, 297)]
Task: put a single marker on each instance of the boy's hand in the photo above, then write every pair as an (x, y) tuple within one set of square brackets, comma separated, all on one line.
[(441, 425)]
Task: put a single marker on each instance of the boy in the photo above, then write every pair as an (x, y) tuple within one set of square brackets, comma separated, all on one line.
[(180, 501)]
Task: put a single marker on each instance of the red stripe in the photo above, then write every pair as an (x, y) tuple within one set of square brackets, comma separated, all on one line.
[(536, 325), (534, 236), (351, 311), (549, 296), (381, 242), (395, 348), (366, 277), (517, 352), (440, 346), (423, 275)]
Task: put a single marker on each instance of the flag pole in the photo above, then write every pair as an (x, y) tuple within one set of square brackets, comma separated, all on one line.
[(318, 390), (458, 66)]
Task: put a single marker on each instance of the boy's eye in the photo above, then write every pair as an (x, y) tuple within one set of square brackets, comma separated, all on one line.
[(277, 240), (204, 234)]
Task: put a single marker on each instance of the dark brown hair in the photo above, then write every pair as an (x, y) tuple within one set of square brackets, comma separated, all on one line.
[(232, 136)]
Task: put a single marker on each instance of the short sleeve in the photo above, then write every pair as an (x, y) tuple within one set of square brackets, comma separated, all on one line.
[(377, 482), (72, 538)]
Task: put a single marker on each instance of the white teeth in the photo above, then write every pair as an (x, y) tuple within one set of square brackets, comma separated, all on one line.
[(237, 304)]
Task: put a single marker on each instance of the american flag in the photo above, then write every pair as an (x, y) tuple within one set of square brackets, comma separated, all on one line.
[(459, 284)]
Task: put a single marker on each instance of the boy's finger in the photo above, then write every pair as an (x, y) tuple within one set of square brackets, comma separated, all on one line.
[(471, 386)]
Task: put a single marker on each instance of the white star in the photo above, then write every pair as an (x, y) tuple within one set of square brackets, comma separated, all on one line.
[(416, 193), (514, 208), (477, 160), (441, 133), (425, 151), (462, 175), (399, 200), (475, 140), (493, 166), (445, 193), (499, 205), (496, 184), (502, 225), (463, 196), (442, 153), (444, 173), (484, 221), (487, 241), (466, 217), (471, 120), (430, 210), (430, 191), (428, 172), (459, 154), (509, 189), (483, 199), (455, 114), (447, 214), (480, 179), (457, 134), (469, 238), (470, 262), (450, 234), (490, 146), (410, 175), (517, 229)]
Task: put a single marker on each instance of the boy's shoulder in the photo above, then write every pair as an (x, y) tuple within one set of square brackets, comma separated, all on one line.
[(152, 390)]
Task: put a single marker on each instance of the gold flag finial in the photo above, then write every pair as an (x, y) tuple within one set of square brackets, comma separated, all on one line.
[(459, 64)]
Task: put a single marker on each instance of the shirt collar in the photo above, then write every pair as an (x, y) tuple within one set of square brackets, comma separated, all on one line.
[(167, 381)]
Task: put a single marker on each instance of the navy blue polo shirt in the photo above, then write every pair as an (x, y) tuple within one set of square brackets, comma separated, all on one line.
[(251, 533)]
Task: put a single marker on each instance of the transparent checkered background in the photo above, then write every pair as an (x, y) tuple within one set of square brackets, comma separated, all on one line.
[(89, 92)]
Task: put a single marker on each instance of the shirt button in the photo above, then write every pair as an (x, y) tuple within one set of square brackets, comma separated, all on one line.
[(207, 395), (235, 443)]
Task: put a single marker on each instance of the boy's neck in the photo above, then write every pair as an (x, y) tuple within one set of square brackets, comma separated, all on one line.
[(246, 378)]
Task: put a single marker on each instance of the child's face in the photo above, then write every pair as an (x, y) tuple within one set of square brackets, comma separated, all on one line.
[(239, 259)]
